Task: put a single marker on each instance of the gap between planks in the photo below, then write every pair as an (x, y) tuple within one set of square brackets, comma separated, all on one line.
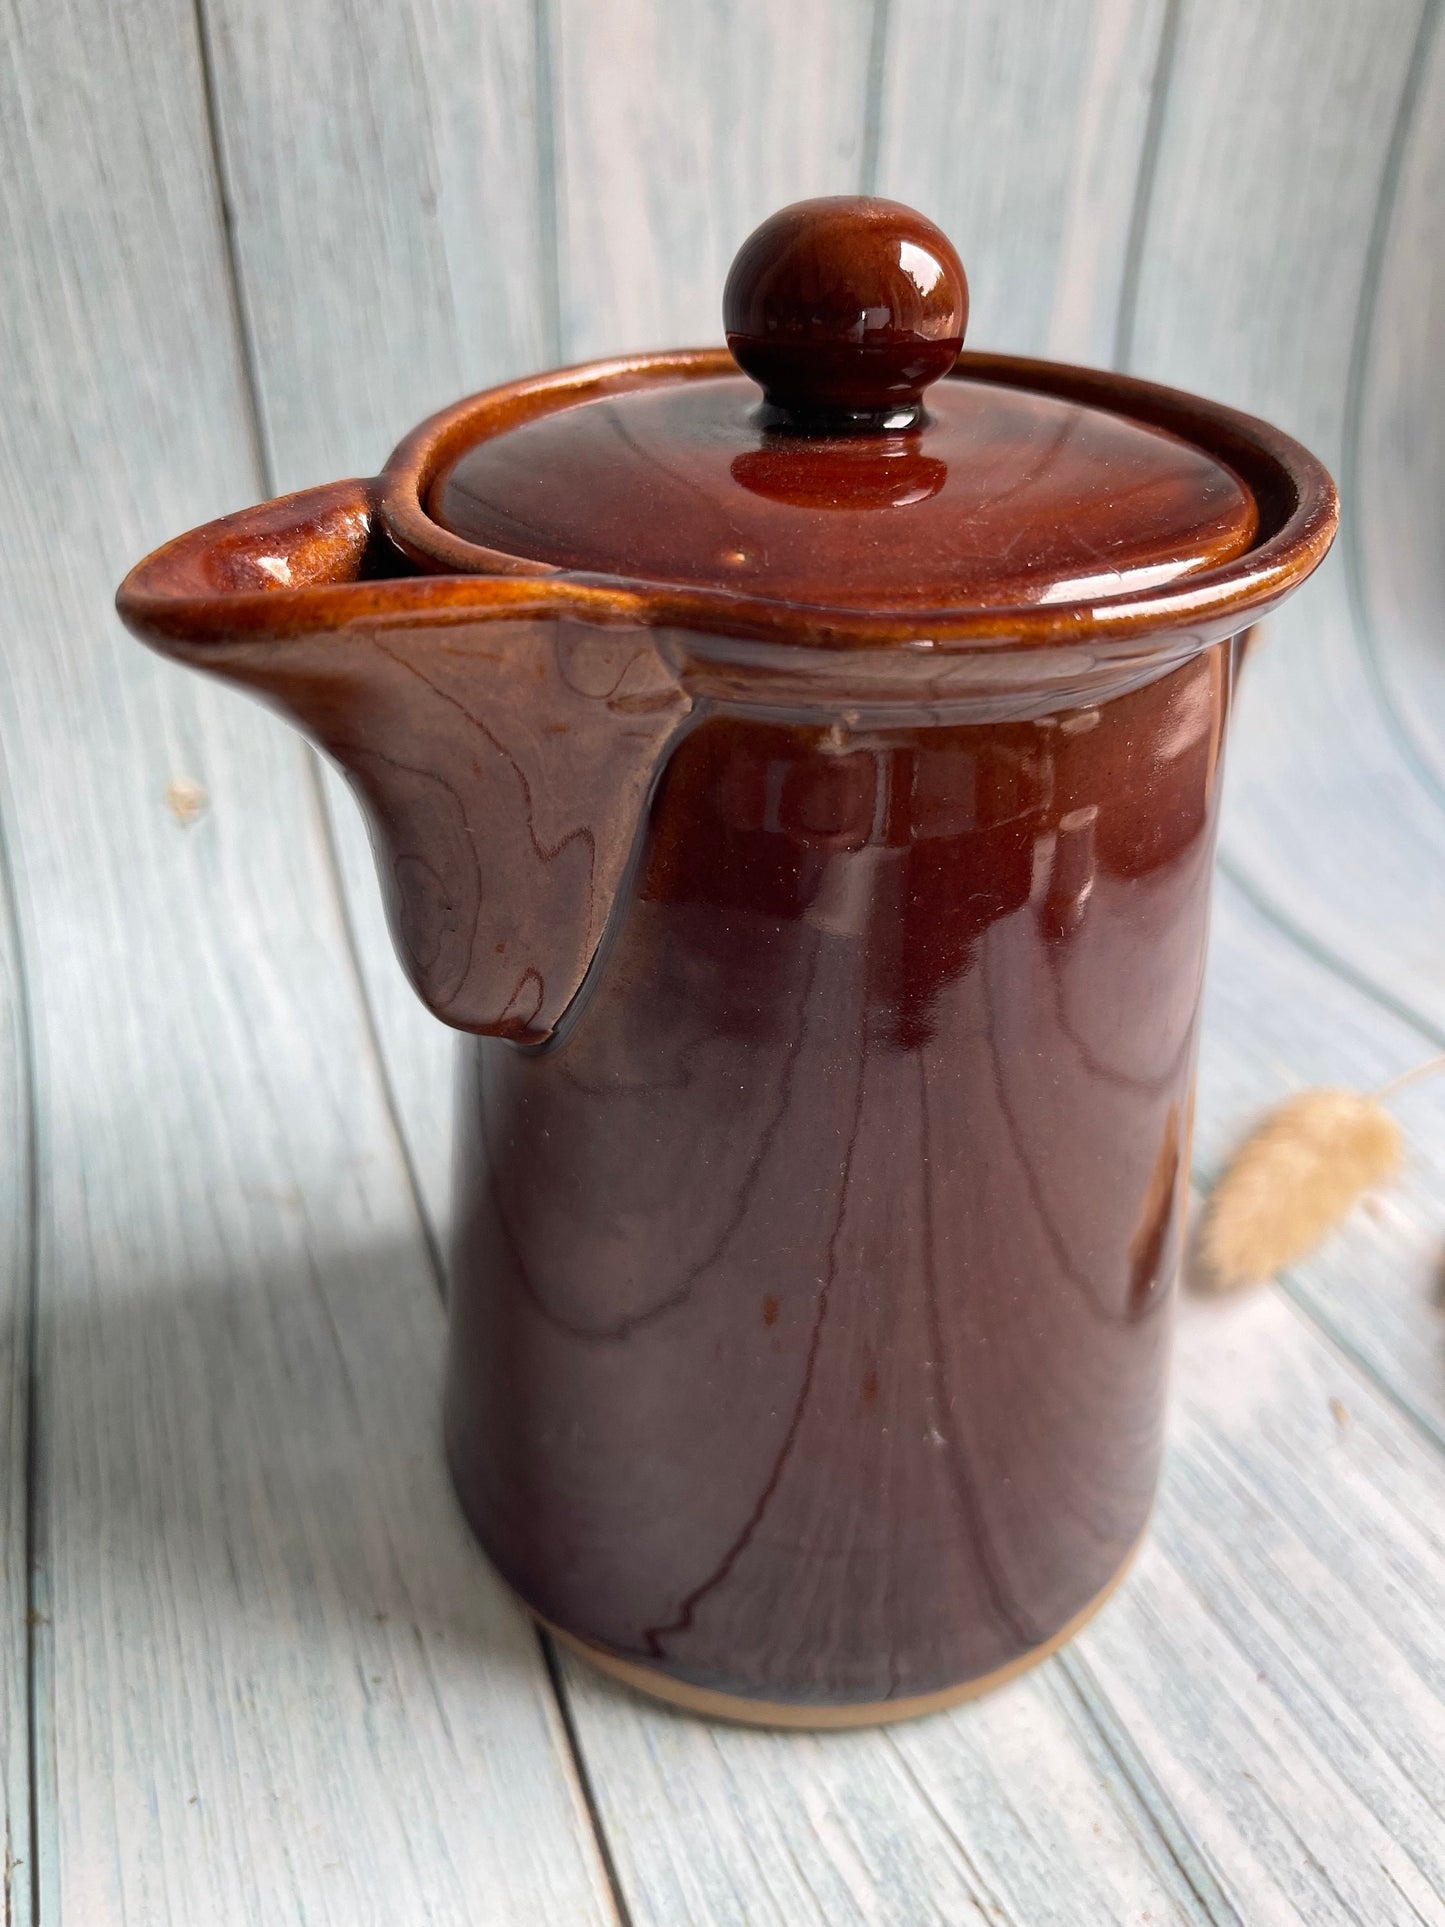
[(19, 1875), (1361, 352), (324, 830)]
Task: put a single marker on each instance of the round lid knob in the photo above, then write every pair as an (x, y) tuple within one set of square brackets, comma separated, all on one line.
[(843, 310)]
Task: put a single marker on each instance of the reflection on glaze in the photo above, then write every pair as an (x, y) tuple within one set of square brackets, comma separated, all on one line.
[(887, 472), (1008, 493), (846, 309), (809, 1320)]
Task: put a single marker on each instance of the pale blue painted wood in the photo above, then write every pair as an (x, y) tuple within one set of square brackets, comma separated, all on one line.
[(392, 215), (389, 214), (78, 386), (1274, 134), (417, 1054), (1258, 246), (275, 1679), (678, 129), (1277, 1658), (1277, 1021), (16, 1257), (1397, 476), (1010, 1812), (1020, 126)]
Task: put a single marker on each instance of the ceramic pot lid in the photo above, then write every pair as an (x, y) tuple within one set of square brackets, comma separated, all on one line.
[(823, 475)]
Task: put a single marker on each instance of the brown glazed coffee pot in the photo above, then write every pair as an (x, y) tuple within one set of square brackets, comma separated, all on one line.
[(806, 801)]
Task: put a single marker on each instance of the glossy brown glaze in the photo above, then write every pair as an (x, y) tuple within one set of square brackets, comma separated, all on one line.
[(502, 763), (834, 953), (1292, 497), (1001, 498), (820, 1714), (844, 309), (810, 1324)]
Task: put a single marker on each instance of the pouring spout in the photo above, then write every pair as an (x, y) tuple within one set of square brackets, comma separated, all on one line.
[(503, 747)]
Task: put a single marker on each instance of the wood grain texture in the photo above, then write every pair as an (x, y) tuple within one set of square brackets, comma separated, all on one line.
[(1020, 129), (1259, 145), (391, 209), (1276, 1021), (1255, 145), (1266, 294), (709, 117), (418, 1053), (275, 1679), (1011, 1810), (1330, 828), (381, 168), (16, 1254), (1397, 477), (1276, 1660)]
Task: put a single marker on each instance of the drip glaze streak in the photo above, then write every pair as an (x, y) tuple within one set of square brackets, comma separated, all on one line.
[(581, 835), (1165, 1079), (940, 1416), (626, 1327), (1033, 1180), (371, 769), (934, 1401), (503, 767), (653, 1637)]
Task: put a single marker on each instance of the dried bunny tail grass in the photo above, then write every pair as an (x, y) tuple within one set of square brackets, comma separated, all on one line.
[(1293, 1180)]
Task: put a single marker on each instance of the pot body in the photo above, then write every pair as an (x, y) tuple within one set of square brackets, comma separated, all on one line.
[(831, 969), (811, 1291)]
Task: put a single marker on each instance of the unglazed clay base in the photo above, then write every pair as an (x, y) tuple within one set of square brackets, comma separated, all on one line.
[(750, 1712)]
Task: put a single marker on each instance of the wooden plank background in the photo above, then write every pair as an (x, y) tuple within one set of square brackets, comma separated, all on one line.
[(251, 1666)]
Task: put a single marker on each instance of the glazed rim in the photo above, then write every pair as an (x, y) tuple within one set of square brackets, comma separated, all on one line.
[(1297, 502)]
